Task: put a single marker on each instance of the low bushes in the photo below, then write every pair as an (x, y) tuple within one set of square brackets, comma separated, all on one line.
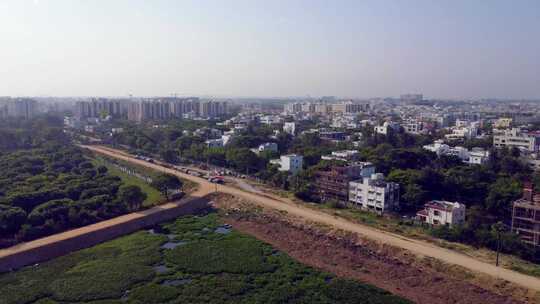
[(235, 255), (210, 268)]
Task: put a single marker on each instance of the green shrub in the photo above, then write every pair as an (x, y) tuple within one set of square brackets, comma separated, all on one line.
[(218, 268), (234, 255), (99, 280), (153, 294), (350, 292)]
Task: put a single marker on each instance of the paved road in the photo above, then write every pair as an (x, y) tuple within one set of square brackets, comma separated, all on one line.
[(418, 247)]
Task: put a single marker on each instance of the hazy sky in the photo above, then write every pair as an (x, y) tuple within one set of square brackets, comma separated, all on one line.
[(470, 48)]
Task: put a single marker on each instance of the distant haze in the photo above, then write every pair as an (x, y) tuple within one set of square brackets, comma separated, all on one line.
[(446, 49)]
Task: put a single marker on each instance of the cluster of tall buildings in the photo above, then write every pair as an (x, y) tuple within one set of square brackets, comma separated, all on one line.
[(150, 109), (176, 108), (98, 107), (25, 108), (325, 108)]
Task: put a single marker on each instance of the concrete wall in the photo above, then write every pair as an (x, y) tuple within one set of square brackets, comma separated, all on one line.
[(25, 254)]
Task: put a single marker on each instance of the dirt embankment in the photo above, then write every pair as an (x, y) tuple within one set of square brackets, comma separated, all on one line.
[(347, 255)]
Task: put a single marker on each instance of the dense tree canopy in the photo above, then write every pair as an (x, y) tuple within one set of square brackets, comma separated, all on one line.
[(166, 183), (48, 185)]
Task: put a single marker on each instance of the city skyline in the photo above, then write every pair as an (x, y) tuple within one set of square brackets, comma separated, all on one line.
[(454, 50)]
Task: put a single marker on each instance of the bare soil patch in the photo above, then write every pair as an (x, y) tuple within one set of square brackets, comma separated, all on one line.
[(421, 280)]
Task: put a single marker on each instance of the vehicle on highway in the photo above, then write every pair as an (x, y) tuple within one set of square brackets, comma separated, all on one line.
[(195, 173), (216, 179)]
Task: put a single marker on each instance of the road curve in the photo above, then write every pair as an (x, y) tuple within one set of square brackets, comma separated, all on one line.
[(417, 247)]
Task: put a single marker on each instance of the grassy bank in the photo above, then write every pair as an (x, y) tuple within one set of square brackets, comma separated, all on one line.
[(210, 264), (154, 197)]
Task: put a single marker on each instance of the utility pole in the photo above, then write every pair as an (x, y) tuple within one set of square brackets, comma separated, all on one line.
[(499, 229)]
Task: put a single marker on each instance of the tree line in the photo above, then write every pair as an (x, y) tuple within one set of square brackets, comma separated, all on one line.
[(48, 185), (488, 190)]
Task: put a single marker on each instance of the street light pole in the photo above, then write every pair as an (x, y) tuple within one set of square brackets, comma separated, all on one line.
[(498, 228)]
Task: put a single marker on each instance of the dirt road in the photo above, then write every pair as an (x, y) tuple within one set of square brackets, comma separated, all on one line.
[(415, 246), (62, 243)]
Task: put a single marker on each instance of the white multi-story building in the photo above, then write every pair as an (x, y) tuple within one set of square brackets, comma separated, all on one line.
[(460, 123), (208, 133), (413, 126), (72, 122), (214, 143), (226, 138), (89, 128), (290, 128), (515, 137), (442, 213), (345, 155), (464, 130), (502, 123), (476, 156), (374, 193), (345, 121), (438, 147), (460, 152), (293, 108), (270, 119), (291, 163), (385, 127)]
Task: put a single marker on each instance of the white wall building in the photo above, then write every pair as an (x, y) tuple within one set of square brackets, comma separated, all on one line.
[(226, 139), (345, 121), (463, 132), (385, 127), (476, 156), (270, 119), (438, 147), (442, 213), (515, 137), (72, 122), (374, 193), (269, 146), (502, 123), (214, 143), (289, 127), (291, 163), (413, 126), (344, 155)]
